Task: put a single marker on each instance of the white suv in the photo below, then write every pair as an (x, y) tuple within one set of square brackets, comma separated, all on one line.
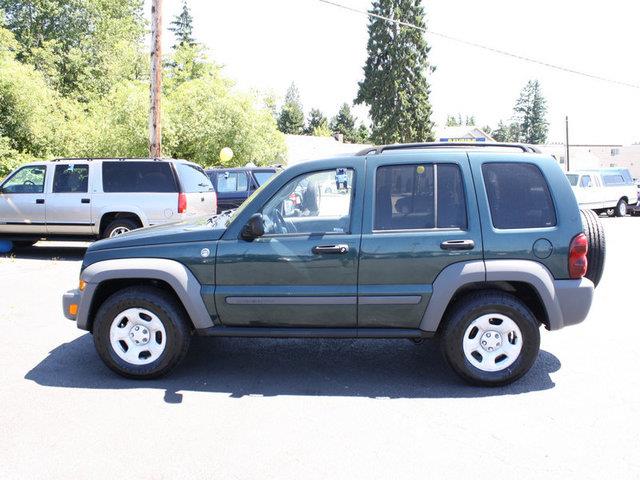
[(100, 198)]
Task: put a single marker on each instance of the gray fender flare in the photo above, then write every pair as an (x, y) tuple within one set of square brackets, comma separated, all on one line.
[(178, 276), (554, 294)]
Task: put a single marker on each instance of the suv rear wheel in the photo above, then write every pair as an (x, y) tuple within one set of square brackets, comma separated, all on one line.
[(118, 227), (490, 338), (140, 332), (621, 208)]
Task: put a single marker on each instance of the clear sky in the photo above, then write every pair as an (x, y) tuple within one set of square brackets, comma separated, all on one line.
[(267, 44)]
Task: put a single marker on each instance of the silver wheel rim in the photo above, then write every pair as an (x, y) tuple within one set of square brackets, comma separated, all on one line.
[(623, 209), (137, 336), (118, 231), (492, 342)]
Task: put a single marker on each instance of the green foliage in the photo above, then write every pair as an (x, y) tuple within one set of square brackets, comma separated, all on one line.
[(291, 118), (317, 122), (529, 124), (82, 47), (362, 135), (186, 62), (530, 114), (395, 86), (345, 123), (182, 27), (104, 111), (453, 121), (204, 115)]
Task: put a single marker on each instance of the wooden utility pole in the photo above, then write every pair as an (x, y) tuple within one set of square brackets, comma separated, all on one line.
[(155, 122)]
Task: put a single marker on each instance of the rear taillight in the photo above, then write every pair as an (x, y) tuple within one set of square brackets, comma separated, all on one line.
[(578, 256), (182, 202)]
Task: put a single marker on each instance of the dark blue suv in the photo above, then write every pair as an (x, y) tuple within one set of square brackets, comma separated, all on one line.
[(234, 185)]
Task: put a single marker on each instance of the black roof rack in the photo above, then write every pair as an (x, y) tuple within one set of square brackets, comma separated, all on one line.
[(410, 146), (88, 159)]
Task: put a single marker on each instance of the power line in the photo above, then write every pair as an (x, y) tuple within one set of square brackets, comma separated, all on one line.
[(483, 47)]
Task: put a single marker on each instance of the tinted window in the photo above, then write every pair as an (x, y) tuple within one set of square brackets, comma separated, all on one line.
[(126, 176), (231, 182), (262, 177), (26, 180), (71, 178), (573, 179), (518, 196), (585, 181), (406, 197), (193, 179), (311, 203)]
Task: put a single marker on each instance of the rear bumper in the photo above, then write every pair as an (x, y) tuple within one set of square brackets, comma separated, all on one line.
[(573, 298), (72, 297)]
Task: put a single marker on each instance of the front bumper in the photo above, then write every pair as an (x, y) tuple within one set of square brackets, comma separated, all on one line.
[(70, 298)]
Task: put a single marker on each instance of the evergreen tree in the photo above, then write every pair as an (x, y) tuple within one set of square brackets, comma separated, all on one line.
[(316, 122), (362, 134), (344, 123), (530, 114), (452, 121), (182, 27), (395, 86), (470, 121), (291, 118)]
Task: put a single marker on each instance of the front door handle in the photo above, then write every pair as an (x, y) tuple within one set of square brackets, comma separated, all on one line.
[(457, 245), (340, 249), (39, 201), (85, 200)]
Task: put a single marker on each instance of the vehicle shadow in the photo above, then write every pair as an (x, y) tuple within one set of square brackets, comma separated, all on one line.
[(44, 251), (270, 367)]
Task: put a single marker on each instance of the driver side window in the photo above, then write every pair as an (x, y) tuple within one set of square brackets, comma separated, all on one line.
[(317, 202), (26, 180)]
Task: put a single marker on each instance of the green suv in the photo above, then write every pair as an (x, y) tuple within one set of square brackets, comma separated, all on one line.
[(477, 246)]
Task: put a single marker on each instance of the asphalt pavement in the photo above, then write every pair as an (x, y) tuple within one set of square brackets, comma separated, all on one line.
[(317, 409)]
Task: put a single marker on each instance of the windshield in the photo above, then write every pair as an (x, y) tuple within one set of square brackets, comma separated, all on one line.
[(262, 177), (241, 208), (573, 179)]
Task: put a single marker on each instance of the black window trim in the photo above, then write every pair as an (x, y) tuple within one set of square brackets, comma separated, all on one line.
[(44, 181), (174, 175), (435, 199), (549, 190), (309, 234)]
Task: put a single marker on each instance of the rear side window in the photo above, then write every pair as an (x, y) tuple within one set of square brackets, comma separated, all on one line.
[(262, 177), (71, 179), (518, 196), (193, 179), (138, 177), (415, 196)]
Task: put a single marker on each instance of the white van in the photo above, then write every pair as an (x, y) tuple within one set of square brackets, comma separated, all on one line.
[(99, 198), (608, 190)]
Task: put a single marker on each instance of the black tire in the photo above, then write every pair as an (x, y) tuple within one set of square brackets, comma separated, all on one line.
[(471, 307), (120, 223), (621, 208), (169, 312), (594, 231)]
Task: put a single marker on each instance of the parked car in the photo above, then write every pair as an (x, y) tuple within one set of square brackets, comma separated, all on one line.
[(235, 185), (609, 190), (499, 251), (100, 198), (634, 210)]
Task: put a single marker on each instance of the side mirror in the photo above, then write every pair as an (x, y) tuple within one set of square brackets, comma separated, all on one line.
[(254, 228)]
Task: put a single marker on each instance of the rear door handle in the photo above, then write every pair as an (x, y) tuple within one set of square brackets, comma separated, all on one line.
[(457, 245), (340, 249), (86, 200), (40, 201)]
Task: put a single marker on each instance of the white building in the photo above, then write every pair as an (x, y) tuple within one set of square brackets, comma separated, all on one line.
[(596, 156)]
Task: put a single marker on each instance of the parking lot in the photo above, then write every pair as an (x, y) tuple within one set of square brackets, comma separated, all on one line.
[(246, 408)]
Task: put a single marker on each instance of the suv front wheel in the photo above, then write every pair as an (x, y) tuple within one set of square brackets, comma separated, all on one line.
[(141, 332), (490, 338)]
